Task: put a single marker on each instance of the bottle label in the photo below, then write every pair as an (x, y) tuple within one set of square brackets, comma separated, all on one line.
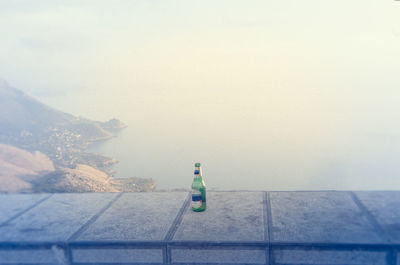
[(197, 199)]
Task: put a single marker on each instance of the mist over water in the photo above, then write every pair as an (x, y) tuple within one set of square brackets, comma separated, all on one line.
[(356, 163), (267, 95)]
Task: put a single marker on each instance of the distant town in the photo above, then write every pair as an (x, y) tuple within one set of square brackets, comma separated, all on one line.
[(63, 146), (28, 126)]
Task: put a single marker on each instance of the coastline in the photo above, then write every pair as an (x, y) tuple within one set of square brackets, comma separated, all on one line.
[(122, 184)]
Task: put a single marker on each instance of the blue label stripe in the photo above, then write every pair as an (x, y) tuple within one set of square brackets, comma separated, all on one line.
[(196, 197)]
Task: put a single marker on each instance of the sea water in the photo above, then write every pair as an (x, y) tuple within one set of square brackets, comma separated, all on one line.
[(235, 163)]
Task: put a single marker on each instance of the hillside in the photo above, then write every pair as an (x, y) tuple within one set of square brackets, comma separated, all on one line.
[(22, 171), (81, 179), (19, 111), (19, 167), (31, 125), (44, 150), (84, 178)]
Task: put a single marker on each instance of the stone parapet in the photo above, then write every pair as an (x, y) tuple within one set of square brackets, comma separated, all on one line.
[(238, 227)]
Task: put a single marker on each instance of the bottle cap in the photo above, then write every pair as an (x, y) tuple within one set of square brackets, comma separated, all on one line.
[(197, 165)]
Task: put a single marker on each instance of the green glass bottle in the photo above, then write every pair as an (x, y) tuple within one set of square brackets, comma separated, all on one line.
[(198, 190)]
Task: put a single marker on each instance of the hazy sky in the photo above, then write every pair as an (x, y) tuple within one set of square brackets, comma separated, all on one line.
[(294, 57), (286, 63), (289, 76)]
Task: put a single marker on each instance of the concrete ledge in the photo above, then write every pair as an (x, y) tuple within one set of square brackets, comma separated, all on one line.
[(136, 216), (17, 204), (230, 255), (117, 255), (230, 216), (330, 256), (21, 256), (320, 217), (385, 208), (237, 228)]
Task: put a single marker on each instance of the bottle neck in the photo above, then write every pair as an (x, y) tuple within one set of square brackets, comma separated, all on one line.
[(198, 173)]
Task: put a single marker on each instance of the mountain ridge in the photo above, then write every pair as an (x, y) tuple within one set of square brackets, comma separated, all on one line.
[(35, 134)]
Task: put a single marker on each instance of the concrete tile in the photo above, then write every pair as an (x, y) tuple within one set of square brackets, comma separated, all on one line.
[(12, 204), (319, 217), (56, 219), (116, 255), (230, 216), (385, 207), (32, 256), (328, 257), (218, 255), (137, 216)]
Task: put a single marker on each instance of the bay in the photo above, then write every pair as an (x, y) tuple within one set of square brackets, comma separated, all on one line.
[(228, 164)]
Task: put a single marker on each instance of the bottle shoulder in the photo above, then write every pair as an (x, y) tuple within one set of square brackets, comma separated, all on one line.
[(198, 183)]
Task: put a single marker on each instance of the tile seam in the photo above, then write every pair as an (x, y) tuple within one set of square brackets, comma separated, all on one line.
[(69, 255), (370, 217), (168, 255), (85, 226), (164, 254), (393, 256), (334, 245), (266, 225), (118, 244), (217, 263), (105, 263), (26, 210), (265, 218), (233, 245), (178, 220), (269, 223)]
